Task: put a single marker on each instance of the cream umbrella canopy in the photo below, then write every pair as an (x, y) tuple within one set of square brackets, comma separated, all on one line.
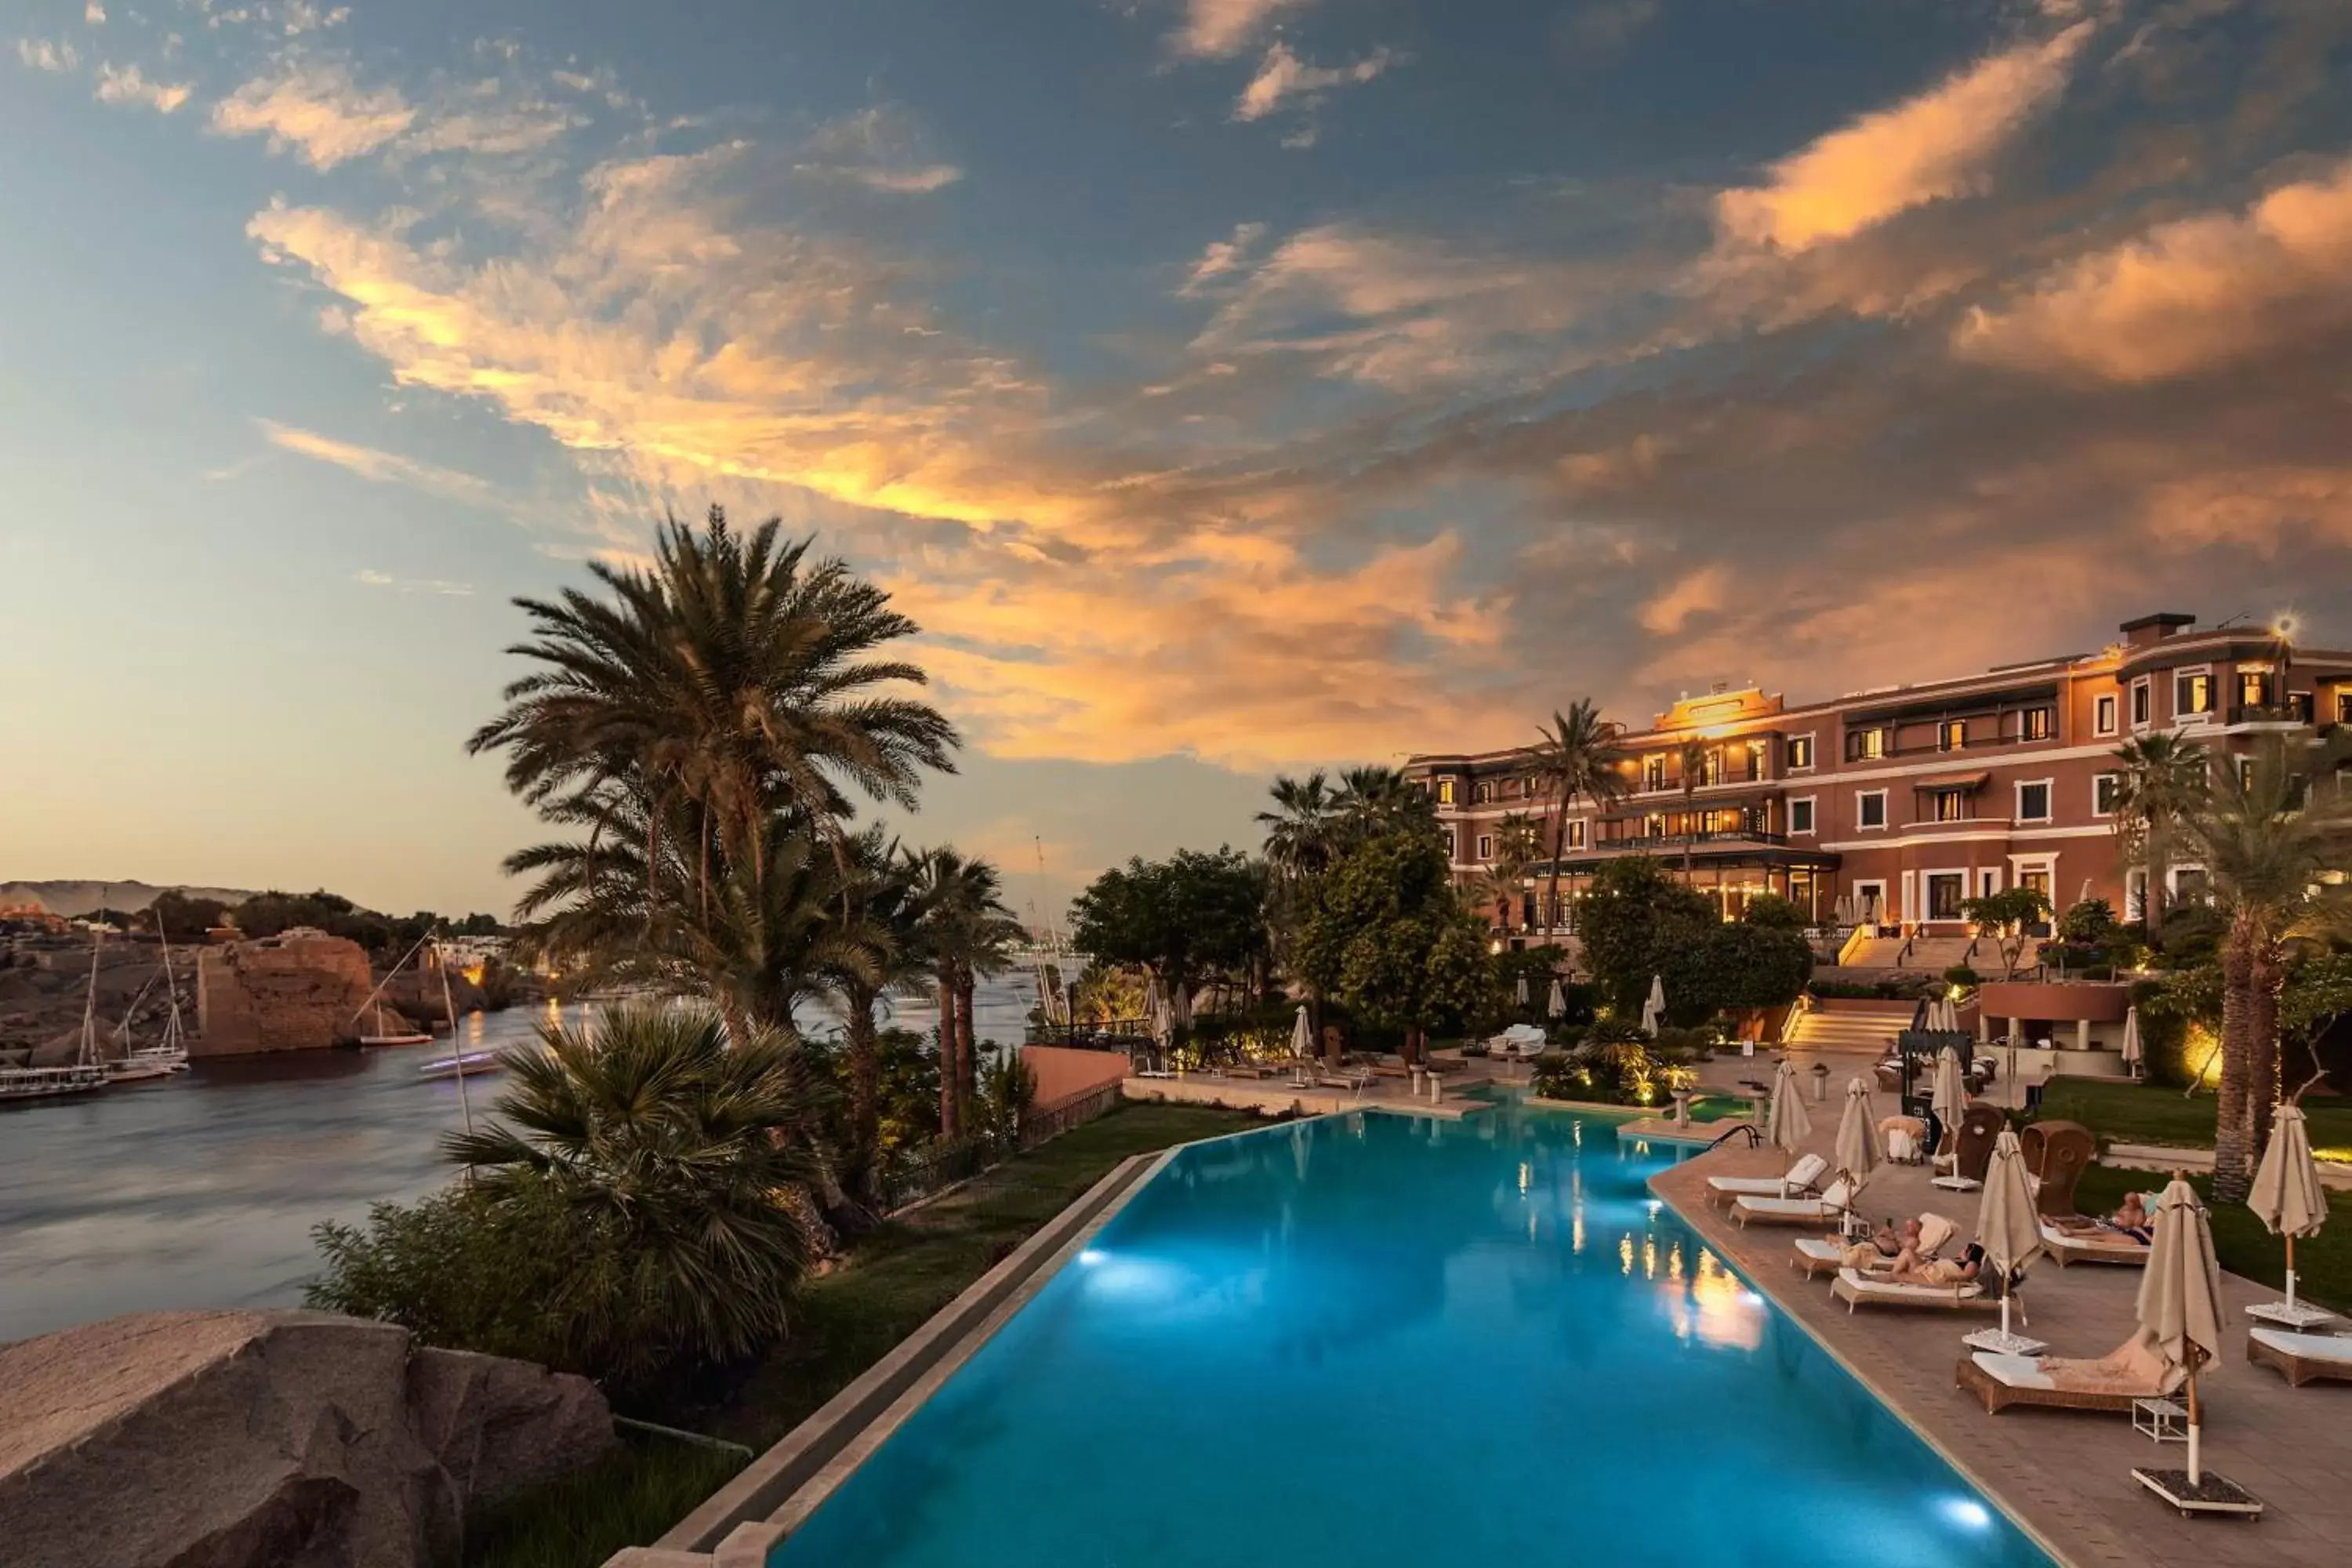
[(1947, 1094), (1523, 991), (1558, 1005), (2287, 1197), (1654, 1010), (2180, 1295), (2132, 1052), (1302, 1036), (1857, 1147), (1785, 1123), (2007, 1227)]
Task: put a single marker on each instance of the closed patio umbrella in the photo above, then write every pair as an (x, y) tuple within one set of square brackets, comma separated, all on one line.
[(2132, 1053), (2287, 1199), (1786, 1125), (1523, 989), (1302, 1036), (2007, 1228), (1857, 1144), (1653, 1011), (2180, 1301), (1947, 1095), (1558, 1006)]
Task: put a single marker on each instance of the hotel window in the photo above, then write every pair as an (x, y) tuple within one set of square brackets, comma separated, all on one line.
[(2192, 694), (2033, 802), (2140, 704), (1654, 825), (2344, 707), (1653, 773), (2103, 716), (1574, 836), (1870, 808), (1945, 890), (1445, 792), (1952, 734), (1866, 744), (1800, 815), (2037, 723), (1800, 747), (2253, 689), (1480, 794), (2036, 881), (1486, 846), (1952, 805), (2106, 793)]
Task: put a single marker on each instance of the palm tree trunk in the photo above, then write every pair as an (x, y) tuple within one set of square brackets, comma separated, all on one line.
[(1551, 888), (967, 1058), (2157, 855), (2262, 1067), (864, 1084), (2232, 1165), (950, 1100)]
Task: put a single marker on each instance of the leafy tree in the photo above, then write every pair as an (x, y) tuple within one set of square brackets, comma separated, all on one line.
[(1579, 756), (1387, 937), (183, 918), (2091, 921), (881, 896), (1638, 922), (2270, 835), (1180, 919), (670, 1152), (2161, 781), (2008, 914), (1774, 913)]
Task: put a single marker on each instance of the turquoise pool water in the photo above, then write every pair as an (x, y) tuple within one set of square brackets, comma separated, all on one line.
[(1373, 1340)]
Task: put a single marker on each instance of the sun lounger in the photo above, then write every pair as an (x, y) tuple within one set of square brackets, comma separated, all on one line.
[(1856, 1288), (2093, 1246), (1802, 1177), (1355, 1080), (1818, 1254), (1825, 1209), (2001, 1380), (2301, 1358)]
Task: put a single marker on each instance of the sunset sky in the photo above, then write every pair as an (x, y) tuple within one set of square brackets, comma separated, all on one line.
[(1225, 385)]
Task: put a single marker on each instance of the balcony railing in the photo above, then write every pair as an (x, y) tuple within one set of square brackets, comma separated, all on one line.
[(1677, 840), (2296, 710)]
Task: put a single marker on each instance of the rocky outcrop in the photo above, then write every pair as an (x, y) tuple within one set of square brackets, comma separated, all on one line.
[(296, 991), (230, 1439)]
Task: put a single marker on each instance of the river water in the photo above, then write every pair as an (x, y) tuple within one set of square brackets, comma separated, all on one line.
[(201, 1189)]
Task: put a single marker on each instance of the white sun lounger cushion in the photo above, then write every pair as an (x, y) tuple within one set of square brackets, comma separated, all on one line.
[(1801, 1174), (1833, 1201), (2109, 1241), (2311, 1347), (2016, 1371), (1902, 1290)]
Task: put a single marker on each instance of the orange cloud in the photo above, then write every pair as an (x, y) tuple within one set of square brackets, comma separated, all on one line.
[(1214, 29), (1694, 593), (2186, 295), (1937, 145), (314, 109)]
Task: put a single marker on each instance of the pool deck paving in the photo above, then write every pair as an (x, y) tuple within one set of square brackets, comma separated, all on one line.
[(2064, 1475)]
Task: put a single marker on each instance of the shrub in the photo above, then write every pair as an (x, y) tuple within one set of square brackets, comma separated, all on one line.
[(1961, 974), (457, 1270), (1614, 1072)]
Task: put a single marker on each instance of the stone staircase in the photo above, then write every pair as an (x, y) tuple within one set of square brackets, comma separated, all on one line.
[(1849, 1028), (1928, 954)]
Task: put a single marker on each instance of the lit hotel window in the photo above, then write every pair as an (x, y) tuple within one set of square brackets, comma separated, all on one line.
[(1954, 734), (1445, 792), (1653, 773), (1575, 836), (2139, 703), (2192, 694), (1800, 747), (1868, 744), (2038, 723), (2103, 716)]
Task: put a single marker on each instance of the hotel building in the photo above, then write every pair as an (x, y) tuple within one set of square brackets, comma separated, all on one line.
[(1902, 800)]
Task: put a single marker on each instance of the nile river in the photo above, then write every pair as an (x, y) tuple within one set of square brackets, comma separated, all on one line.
[(200, 1191)]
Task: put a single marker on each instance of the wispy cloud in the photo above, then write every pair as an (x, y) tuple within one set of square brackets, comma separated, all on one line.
[(93, 14), (1217, 29), (1940, 144), (128, 84), (380, 467), (881, 148), (1599, 30), (2187, 295), (372, 578), (314, 108), (1284, 77), (43, 54)]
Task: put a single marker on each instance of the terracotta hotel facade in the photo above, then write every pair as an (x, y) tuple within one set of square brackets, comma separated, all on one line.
[(1907, 799)]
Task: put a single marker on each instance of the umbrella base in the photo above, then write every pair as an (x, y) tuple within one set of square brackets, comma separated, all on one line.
[(2212, 1494), (2003, 1342), (2300, 1316)]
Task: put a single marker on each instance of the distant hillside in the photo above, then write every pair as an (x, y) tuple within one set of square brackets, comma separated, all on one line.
[(73, 899)]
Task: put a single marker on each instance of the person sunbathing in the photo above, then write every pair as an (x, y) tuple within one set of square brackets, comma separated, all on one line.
[(1913, 1269), (2131, 1219), (1884, 1249), (2135, 1367)]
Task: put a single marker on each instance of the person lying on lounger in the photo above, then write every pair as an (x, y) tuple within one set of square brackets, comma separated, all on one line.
[(1882, 1250), (1912, 1270), (2131, 1219)]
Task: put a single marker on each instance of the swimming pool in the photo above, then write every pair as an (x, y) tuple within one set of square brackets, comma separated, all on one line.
[(1374, 1339)]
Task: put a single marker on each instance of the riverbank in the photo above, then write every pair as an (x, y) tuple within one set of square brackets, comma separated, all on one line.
[(891, 1283)]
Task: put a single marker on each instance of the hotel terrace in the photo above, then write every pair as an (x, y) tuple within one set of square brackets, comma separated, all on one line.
[(1904, 799)]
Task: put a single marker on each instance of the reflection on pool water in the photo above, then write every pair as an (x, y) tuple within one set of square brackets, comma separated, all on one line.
[(1373, 1340)]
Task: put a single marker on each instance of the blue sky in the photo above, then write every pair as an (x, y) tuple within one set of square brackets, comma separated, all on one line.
[(1226, 385)]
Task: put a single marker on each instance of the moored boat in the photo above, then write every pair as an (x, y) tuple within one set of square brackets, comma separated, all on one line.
[(464, 1064)]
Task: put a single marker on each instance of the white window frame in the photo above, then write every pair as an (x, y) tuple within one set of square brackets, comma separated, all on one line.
[(1812, 817), (1575, 836), (2112, 703), (1445, 792), (2045, 862), (1926, 891), (2135, 893), (1859, 825), (2049, 801), (1865, 888), (2143, 702), (1486, 847), (1945, 741), (2023, 714), (2209, 714), (1813, 753), (2096, 779), (1988, 880)]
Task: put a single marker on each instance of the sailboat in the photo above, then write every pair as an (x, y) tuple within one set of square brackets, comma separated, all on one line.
[(168, 1057), (80, 1076), (382, 1036)]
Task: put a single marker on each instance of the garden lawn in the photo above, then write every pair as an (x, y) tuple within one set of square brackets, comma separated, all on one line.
[(2143, 1114), (889, 1285), (2323, 1263)]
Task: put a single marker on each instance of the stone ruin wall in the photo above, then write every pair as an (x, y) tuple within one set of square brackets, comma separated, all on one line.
[(290, 993)]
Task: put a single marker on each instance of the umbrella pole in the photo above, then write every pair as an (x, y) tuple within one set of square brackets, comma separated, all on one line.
[(2196, 1467), (2290, 1273)]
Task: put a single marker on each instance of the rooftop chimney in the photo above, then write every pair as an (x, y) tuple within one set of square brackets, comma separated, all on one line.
[(2154, 629)]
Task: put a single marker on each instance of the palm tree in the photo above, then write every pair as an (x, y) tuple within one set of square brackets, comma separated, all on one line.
[(2274, 833), (882, 895), (2161, 779), (1300, 832), (962, 931), (1578, 755), (663, 1143), (1692, 760), (735, 675)]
